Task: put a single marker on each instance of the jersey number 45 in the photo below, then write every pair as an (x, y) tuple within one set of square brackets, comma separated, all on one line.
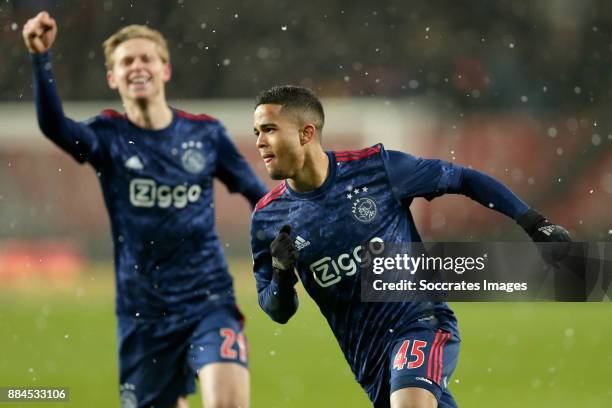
[(400, 358)]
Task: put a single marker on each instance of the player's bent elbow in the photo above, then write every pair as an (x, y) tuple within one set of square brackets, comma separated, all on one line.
[(280, 318), (279, 309), (278, 315), (46, 129)]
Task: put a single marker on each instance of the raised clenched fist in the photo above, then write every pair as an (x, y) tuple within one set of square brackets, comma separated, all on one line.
[(39, 33), (283, 251)]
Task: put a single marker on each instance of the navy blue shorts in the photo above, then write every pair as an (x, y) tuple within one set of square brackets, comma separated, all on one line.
[(422, 357), (426, 359), (159, 362)]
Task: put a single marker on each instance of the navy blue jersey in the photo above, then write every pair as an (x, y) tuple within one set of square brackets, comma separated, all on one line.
[(157, 186), (365, 197)]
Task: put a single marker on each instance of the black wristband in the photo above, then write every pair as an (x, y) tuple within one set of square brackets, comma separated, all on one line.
[(285, 278), (530, 221)]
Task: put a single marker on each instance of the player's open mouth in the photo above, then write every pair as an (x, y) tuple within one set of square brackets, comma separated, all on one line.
[(267, 158), (139, 80)]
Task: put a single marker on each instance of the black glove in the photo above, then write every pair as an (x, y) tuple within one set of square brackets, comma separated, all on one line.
[(542, 230), (284, 255)]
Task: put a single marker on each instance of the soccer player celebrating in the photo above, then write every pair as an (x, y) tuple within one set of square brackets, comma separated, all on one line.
[(315, 221), (176, 312)]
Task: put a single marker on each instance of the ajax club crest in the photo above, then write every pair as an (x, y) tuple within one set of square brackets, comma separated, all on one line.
[(364, 208), (193, 160)]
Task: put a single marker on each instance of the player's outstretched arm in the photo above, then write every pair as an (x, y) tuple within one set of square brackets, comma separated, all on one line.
[(416, 177), (493, 194), (77, 139), (234, 171), (274, 274)]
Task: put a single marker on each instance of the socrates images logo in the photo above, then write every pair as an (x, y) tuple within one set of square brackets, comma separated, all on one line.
[(364, 208), (193, 160)]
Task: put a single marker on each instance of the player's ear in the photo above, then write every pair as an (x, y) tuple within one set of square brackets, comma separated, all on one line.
[(307, 133), (167, 72), (110, 80)]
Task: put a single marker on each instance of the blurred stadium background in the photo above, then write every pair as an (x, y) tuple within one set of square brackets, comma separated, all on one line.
[(519, 90)]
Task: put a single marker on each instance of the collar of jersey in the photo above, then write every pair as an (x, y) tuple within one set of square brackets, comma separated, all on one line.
[(323, 188), (156, 131)]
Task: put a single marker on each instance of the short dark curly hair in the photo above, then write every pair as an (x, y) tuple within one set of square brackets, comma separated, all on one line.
[(297, 98)]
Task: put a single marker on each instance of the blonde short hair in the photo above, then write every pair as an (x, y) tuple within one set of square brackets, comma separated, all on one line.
[(135, 31)]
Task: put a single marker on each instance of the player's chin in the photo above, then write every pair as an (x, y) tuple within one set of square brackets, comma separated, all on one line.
[(276, 174), (141, 95)]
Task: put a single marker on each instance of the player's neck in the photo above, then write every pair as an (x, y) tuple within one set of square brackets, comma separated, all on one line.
[(153, 115), (313, 174)]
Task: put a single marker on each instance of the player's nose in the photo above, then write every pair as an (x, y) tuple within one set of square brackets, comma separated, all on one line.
[(261, 140), (137, 64)]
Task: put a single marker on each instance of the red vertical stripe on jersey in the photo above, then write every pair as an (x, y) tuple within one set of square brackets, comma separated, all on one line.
[(437, 357), (440, 363), (431, 353)]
